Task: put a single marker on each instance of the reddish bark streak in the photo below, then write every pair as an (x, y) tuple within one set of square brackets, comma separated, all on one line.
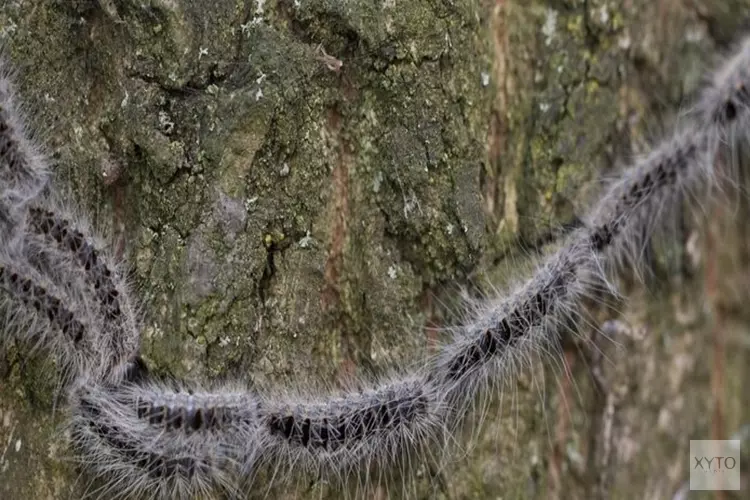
[(498, 129), (339, 203), (562, 426)]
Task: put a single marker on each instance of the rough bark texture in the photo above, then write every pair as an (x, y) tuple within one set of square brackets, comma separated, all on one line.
[(303, 185)]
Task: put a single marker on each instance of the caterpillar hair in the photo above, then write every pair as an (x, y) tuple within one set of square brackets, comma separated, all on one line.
[(646, 197), (143, 438), (500, 334), (74, 250), (23, 167), (725, 101), (723, 112), (164, 442), (363, 433), (51, 247), (42, 314), (43, 233)]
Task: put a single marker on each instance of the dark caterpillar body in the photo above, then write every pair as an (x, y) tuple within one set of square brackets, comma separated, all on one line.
[(61, 231), (663, 174), (350, 423), (9, 153), (23, 172), (32, 294), (131, 450), (192, 413), (544, 300)]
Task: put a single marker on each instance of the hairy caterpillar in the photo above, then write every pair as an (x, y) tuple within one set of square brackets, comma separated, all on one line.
[(24, 171), (149, 439), (69, 244)]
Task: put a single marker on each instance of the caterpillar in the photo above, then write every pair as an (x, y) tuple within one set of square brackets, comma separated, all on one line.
[(144, 437), (24, 170)]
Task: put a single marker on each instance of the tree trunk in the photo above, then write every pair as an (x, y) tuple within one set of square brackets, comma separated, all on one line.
[(302, 187)]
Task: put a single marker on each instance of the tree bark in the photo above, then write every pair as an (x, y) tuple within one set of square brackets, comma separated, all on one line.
[(302, 187)]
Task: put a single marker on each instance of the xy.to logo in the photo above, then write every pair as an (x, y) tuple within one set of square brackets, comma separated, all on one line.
[(715, 465)]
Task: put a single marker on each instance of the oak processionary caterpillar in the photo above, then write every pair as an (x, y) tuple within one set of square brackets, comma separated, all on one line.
[(63, 292)]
